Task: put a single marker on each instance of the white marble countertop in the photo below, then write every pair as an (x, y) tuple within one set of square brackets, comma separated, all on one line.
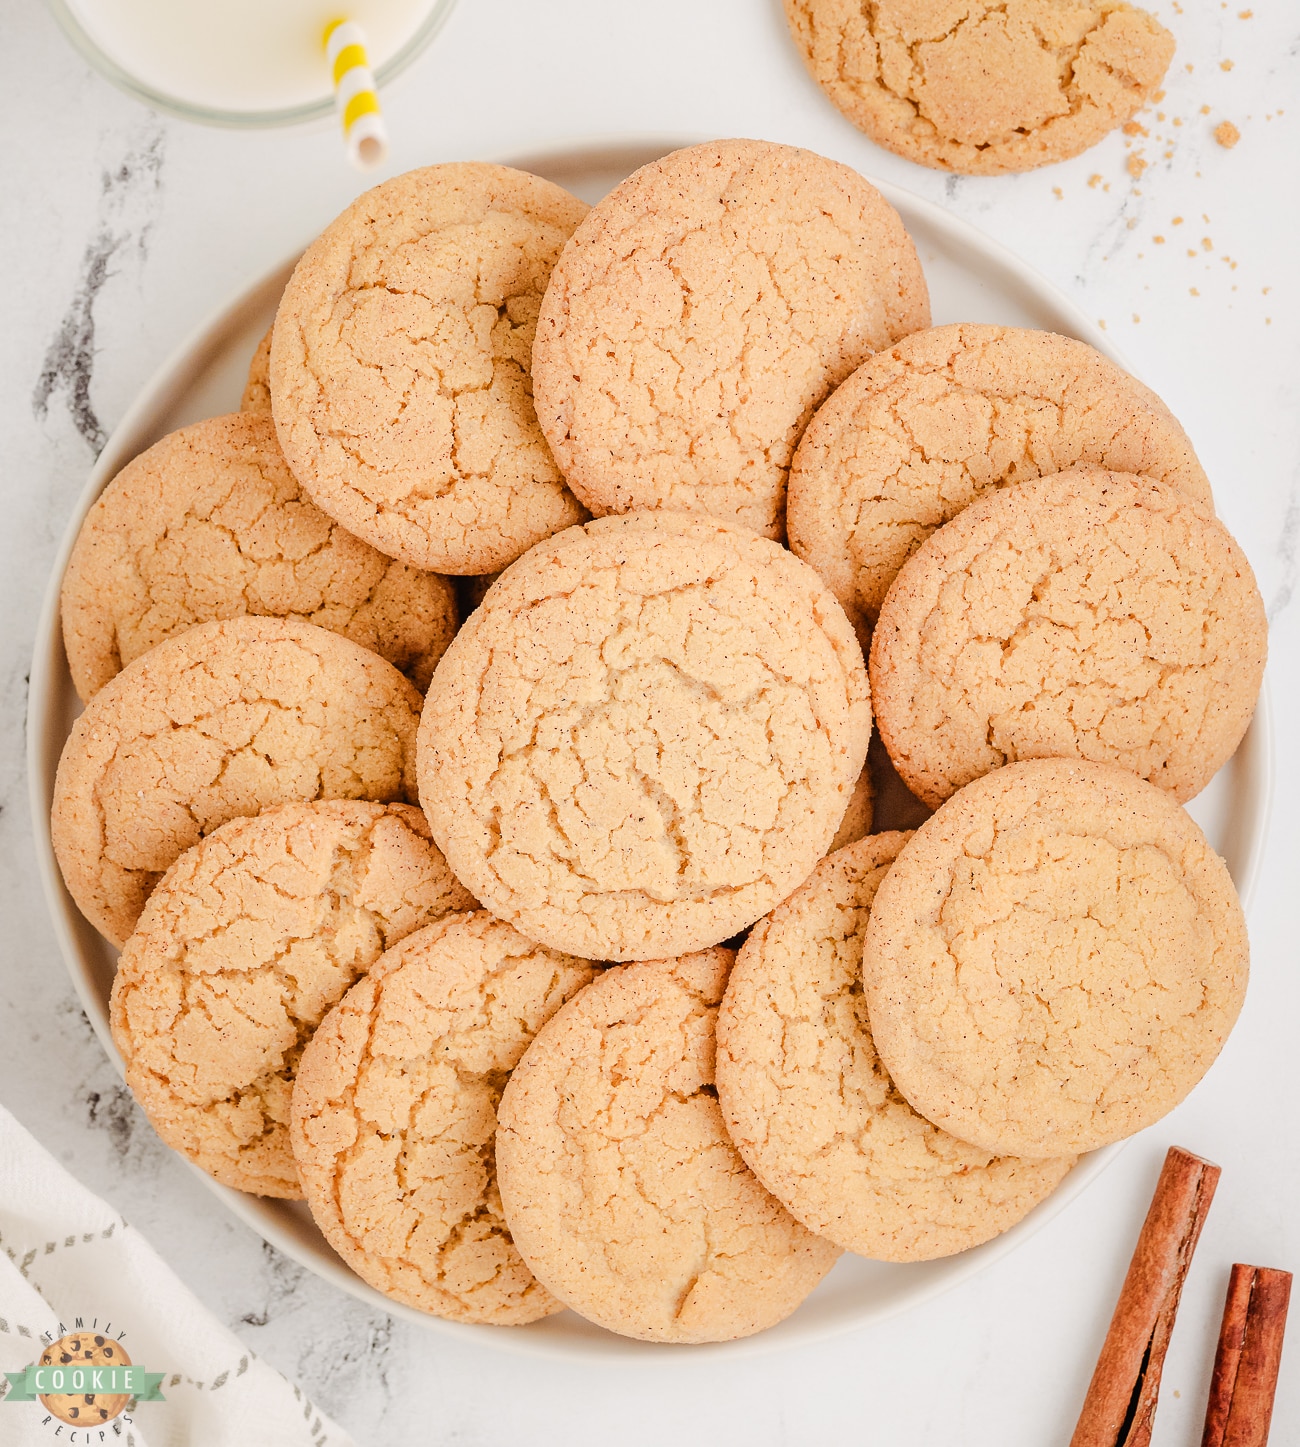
[(124, 229)]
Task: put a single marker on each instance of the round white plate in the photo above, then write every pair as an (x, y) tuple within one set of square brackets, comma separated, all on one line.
[(971, 279)]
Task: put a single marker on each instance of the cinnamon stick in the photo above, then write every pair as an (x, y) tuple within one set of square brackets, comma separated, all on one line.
[(1121, 1402), (1248, 1358)]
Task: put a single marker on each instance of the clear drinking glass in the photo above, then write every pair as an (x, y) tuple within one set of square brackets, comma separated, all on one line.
[(160, 98)]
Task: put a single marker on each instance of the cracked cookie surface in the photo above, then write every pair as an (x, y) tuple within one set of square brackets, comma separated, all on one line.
[(210, 523), (645, 735), (249, 939), (394, 1115), (227, 719), (813, 1111), (1090, 615), (1054, 960), (400, 360), (700, 314), (926, 426), (983, 86), (621, 1187)]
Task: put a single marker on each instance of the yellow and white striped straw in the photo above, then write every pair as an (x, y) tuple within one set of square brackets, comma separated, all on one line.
[(355, 94)]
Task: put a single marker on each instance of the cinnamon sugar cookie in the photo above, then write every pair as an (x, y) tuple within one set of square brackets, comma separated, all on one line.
[(247, 941), (394, 1115), (620, 1186), (209, 523), (1090, 615), (400, 367), (856, 823), (257, 390), (978, 86), (701, 312), (227, 719), (813, 1111), (645, 735), (1054, 960), (923, 428)]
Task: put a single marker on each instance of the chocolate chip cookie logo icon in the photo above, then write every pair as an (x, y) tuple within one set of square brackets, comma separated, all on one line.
[(86, 1379)]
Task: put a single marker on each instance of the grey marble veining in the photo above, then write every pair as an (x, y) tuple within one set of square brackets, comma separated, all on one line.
[(126, 229)]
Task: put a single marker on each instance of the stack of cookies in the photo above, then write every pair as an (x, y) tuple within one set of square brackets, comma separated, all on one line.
[(501, 878)]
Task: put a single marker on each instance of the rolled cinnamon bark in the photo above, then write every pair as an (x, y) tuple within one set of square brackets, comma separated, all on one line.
[(1248, 1358), (1121, 1402)]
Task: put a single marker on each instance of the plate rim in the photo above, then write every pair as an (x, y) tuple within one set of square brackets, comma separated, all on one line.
[(169, 380)]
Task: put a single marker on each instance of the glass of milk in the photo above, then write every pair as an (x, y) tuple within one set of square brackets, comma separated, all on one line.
[(240, 62)]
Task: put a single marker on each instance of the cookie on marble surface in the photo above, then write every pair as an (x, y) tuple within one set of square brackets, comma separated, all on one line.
[(813, 1111), (926, 426), (1054, 960), (400, 364), (226, 719), (700, 314), (983, 88), (248, 940), (621, 1188), (210, 523), (394, 1115), (1090, 615), (645, 736), (257, 389)]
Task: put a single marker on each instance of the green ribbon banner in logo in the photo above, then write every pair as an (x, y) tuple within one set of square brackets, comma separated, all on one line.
[(33, 1382)]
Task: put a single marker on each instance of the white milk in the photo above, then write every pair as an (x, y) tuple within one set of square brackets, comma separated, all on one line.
[(240, 55)]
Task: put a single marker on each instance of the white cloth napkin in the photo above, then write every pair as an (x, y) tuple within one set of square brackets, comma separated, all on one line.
[(67, 1255)]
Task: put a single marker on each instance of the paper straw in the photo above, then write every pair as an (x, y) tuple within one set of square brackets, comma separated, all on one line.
[(354, 92)]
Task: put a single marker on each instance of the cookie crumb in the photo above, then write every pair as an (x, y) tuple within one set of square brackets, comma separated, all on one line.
[(1225, 65), (1135, 128), (1159, 240), (1135, 166), (1094, 180), (1205, 110), (1191, 289), (1178, 221), (1227, 135), (1058, 193)]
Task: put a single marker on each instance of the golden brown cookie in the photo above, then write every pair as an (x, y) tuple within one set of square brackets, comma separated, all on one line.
[(978, 86), (620, 1185), (227, 719), (1089, 615), (250, 937), (257, 390), (209, 523), (645, 736), (1054, 960), (394, 1115), (400, 367), (922, 429), (813, 1111), (700, 314), (856, 823)]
